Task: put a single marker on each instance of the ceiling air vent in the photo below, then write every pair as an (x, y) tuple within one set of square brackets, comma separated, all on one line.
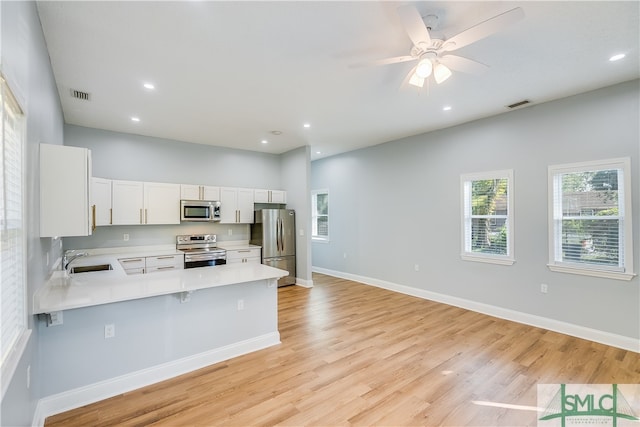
[(78, 94), (519, 104)]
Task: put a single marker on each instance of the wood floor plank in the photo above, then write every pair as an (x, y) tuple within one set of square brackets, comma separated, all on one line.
[(356, 355)]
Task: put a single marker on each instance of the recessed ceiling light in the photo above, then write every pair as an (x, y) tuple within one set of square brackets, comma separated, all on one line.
[(318, 152), (617, 57), (446, 108), (307, 125), (264, 141), (276, 132), (135, 119), (149, 86)]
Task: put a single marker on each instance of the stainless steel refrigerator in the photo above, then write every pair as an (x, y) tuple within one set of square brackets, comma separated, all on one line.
[(275, 231)]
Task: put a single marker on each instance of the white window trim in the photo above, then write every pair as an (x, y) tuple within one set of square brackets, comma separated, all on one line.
[(314, 238), (488, 258), (586, 269), (14, 354)]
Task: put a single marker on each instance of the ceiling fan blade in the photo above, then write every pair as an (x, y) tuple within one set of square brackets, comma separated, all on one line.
[(483, 29), (414, 26), (386, 61), (465, 65)]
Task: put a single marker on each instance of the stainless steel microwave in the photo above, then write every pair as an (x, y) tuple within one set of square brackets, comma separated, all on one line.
[(199, 210)]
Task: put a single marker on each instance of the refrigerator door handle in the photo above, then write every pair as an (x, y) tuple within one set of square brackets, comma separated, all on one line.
[(281, 235), (278, 234)]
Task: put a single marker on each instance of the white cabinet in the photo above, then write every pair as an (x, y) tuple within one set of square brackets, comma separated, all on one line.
[(132, 265), (161, 203), (251, 255), (136, 202), (236, 205), (199, 192), (127, 202), (270, 196), (65, 189), (164, 263), (101, 201), (152, 264)]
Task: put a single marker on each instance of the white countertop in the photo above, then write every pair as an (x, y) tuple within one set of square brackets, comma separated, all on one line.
[(237, 246), (63, 291)]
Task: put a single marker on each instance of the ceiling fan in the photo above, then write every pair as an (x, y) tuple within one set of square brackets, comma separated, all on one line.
[(432, 54)]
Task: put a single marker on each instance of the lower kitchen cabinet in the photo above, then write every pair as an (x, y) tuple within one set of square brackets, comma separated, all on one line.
[(164, 262), (152, 264), (236, 256)]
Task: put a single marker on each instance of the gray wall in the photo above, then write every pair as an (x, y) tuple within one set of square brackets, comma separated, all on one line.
[(150, 332), (25, 63), (398, 204), (296, 176), (140, 158)]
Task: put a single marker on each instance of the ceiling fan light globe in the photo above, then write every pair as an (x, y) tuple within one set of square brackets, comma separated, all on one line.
[(416, 81), (441, 73), (424, 68)]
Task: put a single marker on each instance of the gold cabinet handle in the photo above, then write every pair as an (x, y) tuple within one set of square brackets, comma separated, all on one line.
[(141, 217), (110, 216), (146, 216), (93, 215)]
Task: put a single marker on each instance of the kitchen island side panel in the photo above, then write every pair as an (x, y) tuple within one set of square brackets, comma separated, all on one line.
[(150, 332)]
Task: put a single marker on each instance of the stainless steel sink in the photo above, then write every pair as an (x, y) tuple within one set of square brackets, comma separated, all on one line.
[(90, 268)]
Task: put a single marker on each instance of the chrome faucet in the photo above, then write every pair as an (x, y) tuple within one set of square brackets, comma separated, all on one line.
[(67, 259)]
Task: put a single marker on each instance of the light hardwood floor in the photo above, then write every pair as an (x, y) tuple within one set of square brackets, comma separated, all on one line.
[(357, 355)]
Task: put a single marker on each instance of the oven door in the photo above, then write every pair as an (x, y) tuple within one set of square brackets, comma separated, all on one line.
[(207, 260)]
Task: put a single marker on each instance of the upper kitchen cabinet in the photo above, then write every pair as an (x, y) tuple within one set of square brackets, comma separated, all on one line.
[(127, 202), (199, 192), (236, 205), (161, 203), (270, 196), (65, 184), (136, 202), (101, 201)]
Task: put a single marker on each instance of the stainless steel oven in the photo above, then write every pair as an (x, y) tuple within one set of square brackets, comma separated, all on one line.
[(200, 250)]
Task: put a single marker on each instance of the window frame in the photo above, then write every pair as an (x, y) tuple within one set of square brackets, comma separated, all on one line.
[(625, 245), (10, 357), (466, 181), (314, 215)]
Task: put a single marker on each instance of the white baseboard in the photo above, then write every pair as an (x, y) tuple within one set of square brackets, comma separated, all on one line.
[(614, 340), (92, 393), (304, 283)]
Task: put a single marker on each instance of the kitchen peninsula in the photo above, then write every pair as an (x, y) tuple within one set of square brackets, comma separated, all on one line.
[(120, 332)]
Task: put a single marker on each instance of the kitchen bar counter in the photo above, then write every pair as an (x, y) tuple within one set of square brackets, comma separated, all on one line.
[(64, 292)]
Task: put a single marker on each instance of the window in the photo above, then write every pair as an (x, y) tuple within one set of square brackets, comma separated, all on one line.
[(487, 217), (320, 215), (590, 219), (13, 331)]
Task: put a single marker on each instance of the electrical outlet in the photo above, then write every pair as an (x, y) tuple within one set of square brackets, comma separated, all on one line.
[(230, 232), (125, 237), (109, 330), (416, 267), (344, 255), (544, 288), (240, 304), (302, 232)]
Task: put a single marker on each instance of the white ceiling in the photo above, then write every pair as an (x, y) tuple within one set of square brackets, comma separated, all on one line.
[(229, 73)]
